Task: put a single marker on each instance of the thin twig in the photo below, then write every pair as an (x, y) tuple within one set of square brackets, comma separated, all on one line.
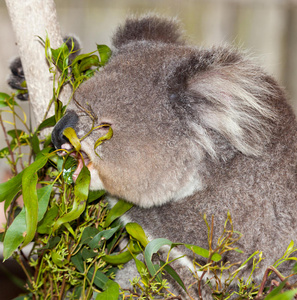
[(13, 165)]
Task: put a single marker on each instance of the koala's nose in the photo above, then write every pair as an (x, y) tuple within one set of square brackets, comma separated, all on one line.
[(69, 120)]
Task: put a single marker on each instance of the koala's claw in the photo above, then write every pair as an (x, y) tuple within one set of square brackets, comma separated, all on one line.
[(17, 79)]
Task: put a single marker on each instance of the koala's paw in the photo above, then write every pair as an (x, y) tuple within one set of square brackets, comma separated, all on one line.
[(17, 79)]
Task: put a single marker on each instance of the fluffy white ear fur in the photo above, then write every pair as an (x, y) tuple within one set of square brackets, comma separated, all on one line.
[(238, 108)]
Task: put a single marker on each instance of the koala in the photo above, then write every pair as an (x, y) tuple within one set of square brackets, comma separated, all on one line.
[(195, 131)]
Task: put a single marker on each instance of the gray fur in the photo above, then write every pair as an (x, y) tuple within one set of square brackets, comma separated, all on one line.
[(195, 131)]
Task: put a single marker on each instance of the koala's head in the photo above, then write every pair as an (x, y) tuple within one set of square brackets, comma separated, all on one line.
[(176, 112)]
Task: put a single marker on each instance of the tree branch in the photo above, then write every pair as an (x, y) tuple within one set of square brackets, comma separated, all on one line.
[(30, 19)]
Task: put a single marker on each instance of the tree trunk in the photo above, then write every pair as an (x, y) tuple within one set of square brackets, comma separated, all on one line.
[(30, 19)]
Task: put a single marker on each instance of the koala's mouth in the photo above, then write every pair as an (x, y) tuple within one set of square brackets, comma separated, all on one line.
[(81, 157)]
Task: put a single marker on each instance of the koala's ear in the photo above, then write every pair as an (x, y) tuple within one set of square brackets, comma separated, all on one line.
[(150, 28), (226, 99)]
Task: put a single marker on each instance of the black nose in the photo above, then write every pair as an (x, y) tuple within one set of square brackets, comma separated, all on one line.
[(69, 120)]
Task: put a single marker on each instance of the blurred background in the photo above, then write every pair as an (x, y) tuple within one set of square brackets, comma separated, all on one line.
[(266, 28)]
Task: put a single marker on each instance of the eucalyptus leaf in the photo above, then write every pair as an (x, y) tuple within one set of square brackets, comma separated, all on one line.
[(118, 259), (100, 279), (15, 133), (104, 53), (203, 252), (107, 136), (17, 230), (141, 267), (43, 195), (88, 62), (35, 143), (6, 100), (58, 110), (81, 190), (45, 225), (88, 234), (10, 188), (49, 122), (118, 210), (70, 133), (60, 56), (14, 235), (112, 292), (29, 181), (173, 274), (94, 195), (136, 231), (153, 247), (86, 254), (78, 261), (105, 234), (288, 295), (53, 242)]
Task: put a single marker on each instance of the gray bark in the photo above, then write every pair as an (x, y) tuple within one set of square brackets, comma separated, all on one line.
[(30, 19)]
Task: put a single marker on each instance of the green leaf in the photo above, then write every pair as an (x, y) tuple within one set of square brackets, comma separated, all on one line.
[(88, 234), (107, 136), (45, 226), (78, 261), (60, 56), (86, 253), (141, 267), (58, 110), (94, 195), (16, 231), (43, 195), (203, 252), (152, 248), (173, 274), (35, 143), (6, 100), (14, 235), (118, 210), (15, 133), (104, 53), (81, 66), (88, 62), (10, 188), (49, 122), (4, 96), (118, 259), (276, 295), (81, 190), (100, 279), (105, 234), (112, 292), (29, 182), (53, 242), (70, 133), (136, 231)]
